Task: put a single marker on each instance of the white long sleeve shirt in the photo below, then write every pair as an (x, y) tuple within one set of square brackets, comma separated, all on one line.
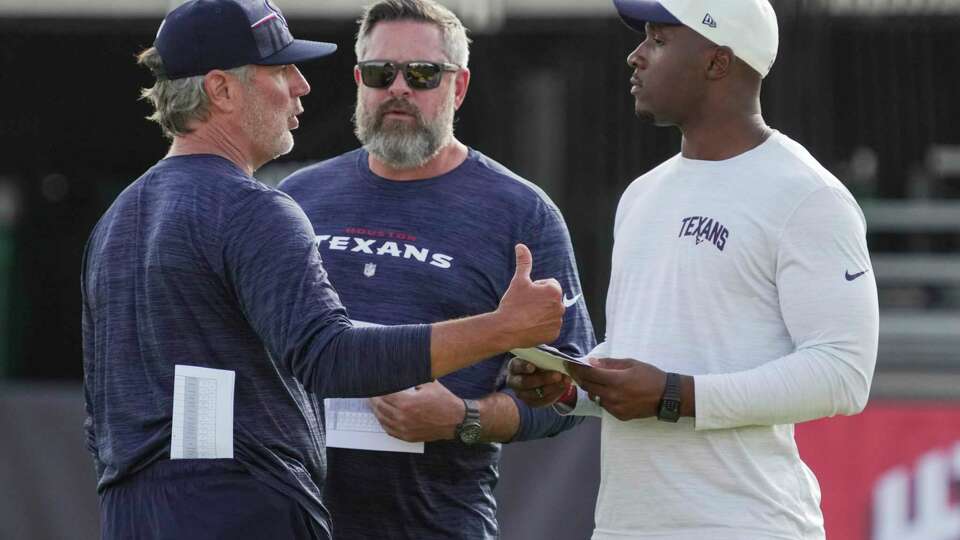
[(751, 274)]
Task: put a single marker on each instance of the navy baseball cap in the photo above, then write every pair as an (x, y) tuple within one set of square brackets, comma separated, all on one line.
[(202, 35)]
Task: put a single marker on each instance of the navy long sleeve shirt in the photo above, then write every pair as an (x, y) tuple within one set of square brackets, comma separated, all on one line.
[(197, 263), (419, 252)]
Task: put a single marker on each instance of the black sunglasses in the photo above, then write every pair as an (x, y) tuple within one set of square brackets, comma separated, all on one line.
[(420, 75)]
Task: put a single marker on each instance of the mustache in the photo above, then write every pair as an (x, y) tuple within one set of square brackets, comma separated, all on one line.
[(397, 105)]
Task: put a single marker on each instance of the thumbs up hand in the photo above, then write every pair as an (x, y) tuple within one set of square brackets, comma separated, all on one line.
[(531, 310)]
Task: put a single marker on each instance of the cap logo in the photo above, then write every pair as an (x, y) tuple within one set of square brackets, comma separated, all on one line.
[(270, 31), (708, 20), (263, 20), (275, 11)]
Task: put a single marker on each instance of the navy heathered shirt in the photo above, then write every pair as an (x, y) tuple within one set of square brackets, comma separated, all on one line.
[(197, 263), (419, 252)]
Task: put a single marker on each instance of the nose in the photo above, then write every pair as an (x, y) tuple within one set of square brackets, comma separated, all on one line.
[(298, 85), (635, 58), (399, 86)]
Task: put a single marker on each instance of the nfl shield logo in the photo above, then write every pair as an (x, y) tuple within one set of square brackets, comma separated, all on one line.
[(369, 269)]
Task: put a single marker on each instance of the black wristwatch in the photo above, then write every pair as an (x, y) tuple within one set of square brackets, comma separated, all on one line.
[(469, 430), (670, 401)]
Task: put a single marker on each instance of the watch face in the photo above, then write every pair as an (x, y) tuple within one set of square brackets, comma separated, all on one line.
[(470, 432), (669, 410)]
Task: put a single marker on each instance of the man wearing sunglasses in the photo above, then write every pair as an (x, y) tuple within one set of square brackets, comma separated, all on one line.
[(416, 227), (210, 329)]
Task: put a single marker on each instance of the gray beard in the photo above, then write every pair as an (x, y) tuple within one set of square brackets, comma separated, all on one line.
[(399, 145)]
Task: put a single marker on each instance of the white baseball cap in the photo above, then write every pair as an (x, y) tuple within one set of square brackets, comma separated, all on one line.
[(748, 27)]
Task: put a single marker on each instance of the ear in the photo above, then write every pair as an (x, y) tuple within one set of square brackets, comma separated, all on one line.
[(356, 75), (223, 90), (462, 83), (721, 63)]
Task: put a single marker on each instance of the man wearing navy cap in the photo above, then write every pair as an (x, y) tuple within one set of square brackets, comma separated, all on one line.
[(741, 299), (211, 332)]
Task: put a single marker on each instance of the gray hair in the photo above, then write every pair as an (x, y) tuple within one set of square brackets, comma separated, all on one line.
[(456, 44), (178, 102)]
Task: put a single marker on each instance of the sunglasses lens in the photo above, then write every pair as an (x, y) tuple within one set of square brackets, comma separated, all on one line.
[(423, 75), (377, 74), (419, 75)]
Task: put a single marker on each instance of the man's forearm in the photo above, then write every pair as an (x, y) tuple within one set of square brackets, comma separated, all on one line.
[(459, 343), (804, 385), (499, 417), (530, 313)]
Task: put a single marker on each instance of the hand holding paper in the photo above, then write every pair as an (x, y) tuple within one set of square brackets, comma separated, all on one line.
[(538, 374), (548, 358)]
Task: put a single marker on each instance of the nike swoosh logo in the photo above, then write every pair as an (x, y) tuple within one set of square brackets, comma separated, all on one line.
[(851, 277), (567, 302)]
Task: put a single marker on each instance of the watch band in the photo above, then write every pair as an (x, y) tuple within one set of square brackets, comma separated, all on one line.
[(669, 410), (470, 429)]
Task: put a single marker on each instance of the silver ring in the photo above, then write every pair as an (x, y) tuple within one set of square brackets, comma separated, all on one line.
[(539, 391)]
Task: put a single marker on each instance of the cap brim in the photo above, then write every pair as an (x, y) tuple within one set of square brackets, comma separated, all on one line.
[(299, 50), (636, 13)]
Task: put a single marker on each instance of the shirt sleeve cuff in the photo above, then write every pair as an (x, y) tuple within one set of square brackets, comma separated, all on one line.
[(707, 387), (524, 417), (584, 406)]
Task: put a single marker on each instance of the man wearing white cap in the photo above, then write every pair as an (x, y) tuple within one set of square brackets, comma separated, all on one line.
[(741, 299)]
